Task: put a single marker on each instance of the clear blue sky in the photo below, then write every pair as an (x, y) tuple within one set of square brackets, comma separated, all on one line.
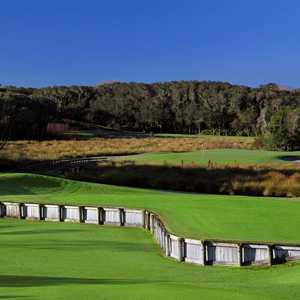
[(62, 42)]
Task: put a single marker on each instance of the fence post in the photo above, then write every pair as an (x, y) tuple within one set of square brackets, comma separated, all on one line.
[(61, 213), (101, 214), (2, 210), (271, 260), (182, 249), (152, 220), (240, 256), (122, 216), (204, 252), (81, 214), (167, 242), (21, 211), (146, 220), (42, 212)]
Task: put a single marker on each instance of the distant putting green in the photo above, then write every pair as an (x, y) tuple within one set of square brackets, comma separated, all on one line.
[(189, 215), (219, 156), (51, 261)]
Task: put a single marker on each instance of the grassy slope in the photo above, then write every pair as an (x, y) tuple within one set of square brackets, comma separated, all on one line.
[(74, 261), (220, 156), (189, 215)]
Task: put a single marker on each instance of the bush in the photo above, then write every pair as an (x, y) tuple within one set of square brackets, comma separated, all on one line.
[(283, 131)]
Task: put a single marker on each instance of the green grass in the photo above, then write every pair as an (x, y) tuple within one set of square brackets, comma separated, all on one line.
[(41, 261), (219, 156), (189, 215)]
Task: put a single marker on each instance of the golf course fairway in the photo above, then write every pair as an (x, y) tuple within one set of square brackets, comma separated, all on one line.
[(197, 216)]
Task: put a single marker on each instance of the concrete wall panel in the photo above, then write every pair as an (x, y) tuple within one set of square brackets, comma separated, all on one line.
[(134, 217), (194, 251)]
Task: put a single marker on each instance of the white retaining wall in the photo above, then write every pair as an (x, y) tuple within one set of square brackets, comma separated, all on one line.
[(189, 250), (160, 233), (91, 215), (71, 213), (134, 217), (286, 253), (112, 216), (255, 254), (176, 247), (31, 211), (223, 253), (12, 210), (51, 212), (194, 251)]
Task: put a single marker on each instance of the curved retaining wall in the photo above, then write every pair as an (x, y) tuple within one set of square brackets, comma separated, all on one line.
[(181, 249)]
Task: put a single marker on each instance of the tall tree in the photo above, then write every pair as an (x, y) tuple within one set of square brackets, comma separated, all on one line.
[(5, 121), (284, 130)]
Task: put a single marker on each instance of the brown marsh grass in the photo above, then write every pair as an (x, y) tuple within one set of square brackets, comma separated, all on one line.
[(256, 180), (58, 149)]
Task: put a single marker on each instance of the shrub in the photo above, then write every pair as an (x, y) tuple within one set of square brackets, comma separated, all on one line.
[(283, 131)]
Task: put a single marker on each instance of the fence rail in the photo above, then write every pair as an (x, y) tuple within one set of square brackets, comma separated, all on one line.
[(56, 165), (205, 252)]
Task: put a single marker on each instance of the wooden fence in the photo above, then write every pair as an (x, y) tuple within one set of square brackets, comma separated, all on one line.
[(61, 164), (206, 252)]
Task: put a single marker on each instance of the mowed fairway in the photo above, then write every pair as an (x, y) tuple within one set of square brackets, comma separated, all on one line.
[(52, 261), (189, 215), (219, 156)]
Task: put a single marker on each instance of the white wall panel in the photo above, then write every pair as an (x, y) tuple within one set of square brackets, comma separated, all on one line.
[(91, 215), (175, 247), (194, 251), (255, 254), (284, 253), (12, 209), (32, 211), (71, 214), (223, 253), (52, 212), (112, 216), (134, 217)]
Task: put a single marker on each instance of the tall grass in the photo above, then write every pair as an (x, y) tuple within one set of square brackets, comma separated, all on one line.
[(256, 180), (57, 149)]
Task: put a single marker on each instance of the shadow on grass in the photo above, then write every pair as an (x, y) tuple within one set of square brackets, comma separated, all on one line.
[(213, 179), (37, 166), (38, 231), (6, 226), (75, 246), (12, 297), (24, 184), (289, 158), (37, 281)]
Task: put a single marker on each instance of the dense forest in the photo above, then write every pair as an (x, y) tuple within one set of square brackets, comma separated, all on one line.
[(181, 107)]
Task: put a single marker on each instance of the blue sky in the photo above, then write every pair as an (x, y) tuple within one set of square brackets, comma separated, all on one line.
[(51, 42)]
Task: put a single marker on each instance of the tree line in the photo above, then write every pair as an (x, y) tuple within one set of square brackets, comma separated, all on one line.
[(173, 107)]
